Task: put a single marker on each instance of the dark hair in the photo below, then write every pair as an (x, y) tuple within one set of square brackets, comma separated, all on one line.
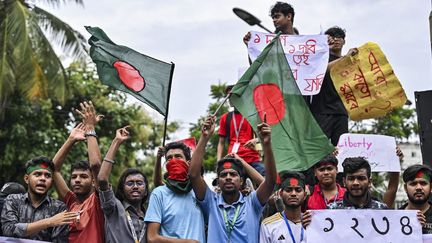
[(179, 145), (336, 31), (410, 173), (327, 159), (284, 8), (121, 184), (353, 164), (39, 160), (292, 174), (81, 165)]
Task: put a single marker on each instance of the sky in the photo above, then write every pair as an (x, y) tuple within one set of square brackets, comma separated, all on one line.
[(204, 38)]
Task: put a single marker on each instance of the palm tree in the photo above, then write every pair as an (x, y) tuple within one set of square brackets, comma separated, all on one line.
[(28, 64)]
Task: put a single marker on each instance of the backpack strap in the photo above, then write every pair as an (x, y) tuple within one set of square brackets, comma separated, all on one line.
[(228, 126)]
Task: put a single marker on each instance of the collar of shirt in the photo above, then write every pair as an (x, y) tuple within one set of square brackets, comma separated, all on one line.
[(221, 203), (341, 191), (349, 203), (128, 206), (45, 200)]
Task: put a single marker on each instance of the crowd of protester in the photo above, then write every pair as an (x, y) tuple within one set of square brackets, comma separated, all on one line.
[(275, 207)]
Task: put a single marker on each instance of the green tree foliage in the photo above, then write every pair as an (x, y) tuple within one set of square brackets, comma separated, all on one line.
[(217, 93), (40, 128), (28, 64)]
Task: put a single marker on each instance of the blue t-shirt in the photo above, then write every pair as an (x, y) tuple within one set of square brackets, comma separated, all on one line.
[(247, 225), (179, 214)]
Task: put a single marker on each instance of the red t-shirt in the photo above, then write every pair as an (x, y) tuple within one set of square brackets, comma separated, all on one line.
[(245, 134), (90, 228), (316, 200)]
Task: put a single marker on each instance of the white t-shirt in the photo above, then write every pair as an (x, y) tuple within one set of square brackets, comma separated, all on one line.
[(274, 229)]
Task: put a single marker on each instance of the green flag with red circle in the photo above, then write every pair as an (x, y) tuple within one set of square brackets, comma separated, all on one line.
[(268, 87), (144, 77)]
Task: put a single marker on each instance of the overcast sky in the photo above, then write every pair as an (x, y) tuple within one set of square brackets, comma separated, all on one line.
[(204, 38)]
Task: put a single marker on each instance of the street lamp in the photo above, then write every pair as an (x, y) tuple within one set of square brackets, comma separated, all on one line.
[(249, 18)]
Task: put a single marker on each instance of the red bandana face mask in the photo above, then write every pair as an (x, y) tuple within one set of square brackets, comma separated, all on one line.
[(177, 170)]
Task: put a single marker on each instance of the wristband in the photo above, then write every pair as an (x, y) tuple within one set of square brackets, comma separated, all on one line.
[(109, 161), (91, 133)]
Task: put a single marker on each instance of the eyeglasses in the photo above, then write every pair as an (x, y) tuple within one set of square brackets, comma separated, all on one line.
[(133, 183)]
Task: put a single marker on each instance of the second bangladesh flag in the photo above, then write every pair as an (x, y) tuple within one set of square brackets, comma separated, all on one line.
[(268, 87)]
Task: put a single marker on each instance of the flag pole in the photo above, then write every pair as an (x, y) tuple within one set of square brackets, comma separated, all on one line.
[(221, 104), (168, 101)]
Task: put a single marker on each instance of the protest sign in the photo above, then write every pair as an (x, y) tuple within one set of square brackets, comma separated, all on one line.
[(372, 226), (379, 150), (307, 56), (367, 84)]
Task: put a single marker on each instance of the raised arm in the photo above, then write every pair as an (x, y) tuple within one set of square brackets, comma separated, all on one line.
[(393, 184), (77, 134), (198, 184), (122, 134), (157, 173), (90, 119), (220, 148), (265, 189)]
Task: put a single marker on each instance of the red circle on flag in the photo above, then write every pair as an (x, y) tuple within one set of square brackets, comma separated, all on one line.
[(129, 76), (268, 99), (227, 165)]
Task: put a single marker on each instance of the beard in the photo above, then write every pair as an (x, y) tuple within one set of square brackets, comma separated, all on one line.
[(416, 201)]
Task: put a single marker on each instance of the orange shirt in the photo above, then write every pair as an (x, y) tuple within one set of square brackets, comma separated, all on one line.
[(90, 228)]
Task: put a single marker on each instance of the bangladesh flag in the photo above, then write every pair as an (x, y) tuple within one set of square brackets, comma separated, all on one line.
[(145, 78), (268, 87)]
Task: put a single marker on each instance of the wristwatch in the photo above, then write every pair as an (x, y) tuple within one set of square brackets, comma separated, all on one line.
[(91, 133)]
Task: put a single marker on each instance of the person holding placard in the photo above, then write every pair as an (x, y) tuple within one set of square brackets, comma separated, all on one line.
[(357, 180), (417, 179), (326, 106), (282, 15), (289, 225)]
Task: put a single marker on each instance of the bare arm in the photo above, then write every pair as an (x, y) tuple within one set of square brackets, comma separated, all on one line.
[(153, 235), (198, 184), (246, 39), (56, 220), (220, 148), (122, 135), (265, 189), (255, 176), (90, 119), (77, 134), (390, 195), (157, 173)]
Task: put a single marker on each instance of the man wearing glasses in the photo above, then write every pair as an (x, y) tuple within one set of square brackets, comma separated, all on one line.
[(124, 212), (326, 106)]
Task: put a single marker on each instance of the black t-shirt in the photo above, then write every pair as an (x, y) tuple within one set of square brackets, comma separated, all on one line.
[(427, 228), (327, 101)]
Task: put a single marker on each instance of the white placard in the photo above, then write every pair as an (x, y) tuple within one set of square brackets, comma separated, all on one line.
[(427, 238), (307, 56), (368, 225), (379, 150)]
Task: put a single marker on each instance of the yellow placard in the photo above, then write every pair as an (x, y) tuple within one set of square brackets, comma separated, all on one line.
[(366, 83)]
